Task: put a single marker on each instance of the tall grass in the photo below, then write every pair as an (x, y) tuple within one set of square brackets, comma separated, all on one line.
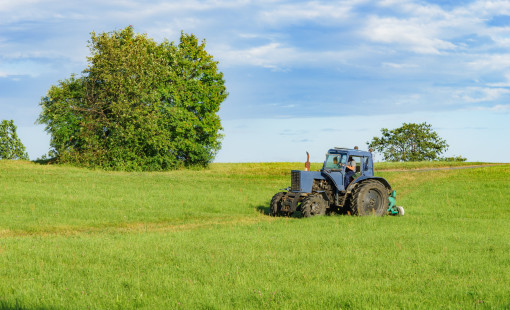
[(425, 164), (73, 238)]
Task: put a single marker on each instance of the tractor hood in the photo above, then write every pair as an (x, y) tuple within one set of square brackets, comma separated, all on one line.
[(302, 181)]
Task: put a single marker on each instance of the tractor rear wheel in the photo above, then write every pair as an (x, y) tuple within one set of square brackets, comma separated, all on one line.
[(276, 204), (313, 205), (369, 198)]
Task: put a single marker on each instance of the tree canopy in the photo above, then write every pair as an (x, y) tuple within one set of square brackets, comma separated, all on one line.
[(411, 142), (139, 105), (10, 145)]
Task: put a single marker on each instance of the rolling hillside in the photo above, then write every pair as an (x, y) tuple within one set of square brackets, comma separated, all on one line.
[(74, 238)]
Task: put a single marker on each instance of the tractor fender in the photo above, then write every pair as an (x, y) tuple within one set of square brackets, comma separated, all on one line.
[(328, 176), (364, 178)]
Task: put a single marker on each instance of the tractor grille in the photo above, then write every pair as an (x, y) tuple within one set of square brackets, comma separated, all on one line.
[(295, 181)]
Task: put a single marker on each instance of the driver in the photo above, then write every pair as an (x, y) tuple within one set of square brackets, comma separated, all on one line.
[(350, 170), (335, 161)]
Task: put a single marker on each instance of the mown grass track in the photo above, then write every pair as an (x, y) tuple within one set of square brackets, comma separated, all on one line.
[(73, 238)]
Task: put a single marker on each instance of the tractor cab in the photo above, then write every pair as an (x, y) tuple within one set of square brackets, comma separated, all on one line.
[(336, 160)]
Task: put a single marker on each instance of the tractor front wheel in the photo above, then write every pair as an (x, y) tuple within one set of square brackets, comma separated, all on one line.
[(369, 198), (276, 204), (313, 205)]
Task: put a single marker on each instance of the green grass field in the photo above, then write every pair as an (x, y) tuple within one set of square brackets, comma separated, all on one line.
[(81, 239)]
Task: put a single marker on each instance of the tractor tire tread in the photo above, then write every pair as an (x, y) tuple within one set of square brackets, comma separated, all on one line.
[(355, 196), (274, 208), (306, 206)]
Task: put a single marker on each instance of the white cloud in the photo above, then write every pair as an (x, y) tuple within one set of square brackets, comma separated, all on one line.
[(9, 6), (278, 56), (501, 108), (413, 8), (321, 12), (499, 36), (23, 67), (491, 7), (505, 83), (272, 55), (411, 34), (497, 108), (480, 94), (432, 30), (128, 11), (399, 65), (29, 10), (410, 99), (490, 62)]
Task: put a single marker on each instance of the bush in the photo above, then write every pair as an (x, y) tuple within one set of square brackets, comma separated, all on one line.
[(454, 159)]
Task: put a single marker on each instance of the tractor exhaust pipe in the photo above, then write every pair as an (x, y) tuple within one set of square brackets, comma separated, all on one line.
[(307, 163)]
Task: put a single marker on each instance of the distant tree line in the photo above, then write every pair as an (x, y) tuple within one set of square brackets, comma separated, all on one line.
[(411, 142)]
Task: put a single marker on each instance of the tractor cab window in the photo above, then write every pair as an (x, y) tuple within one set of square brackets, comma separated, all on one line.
[(360, 164), (334, 161), (365, 164)]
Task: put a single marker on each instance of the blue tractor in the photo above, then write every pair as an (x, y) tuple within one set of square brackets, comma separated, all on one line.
[(330, 191)]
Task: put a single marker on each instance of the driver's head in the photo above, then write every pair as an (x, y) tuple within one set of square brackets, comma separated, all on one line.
[(335, 160)]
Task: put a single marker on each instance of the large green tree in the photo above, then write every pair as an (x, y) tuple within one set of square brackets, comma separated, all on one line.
[(411, 142), (10, 144), (139, 105)]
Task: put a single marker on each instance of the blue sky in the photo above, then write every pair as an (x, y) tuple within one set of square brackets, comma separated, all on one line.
[(302, 75)]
